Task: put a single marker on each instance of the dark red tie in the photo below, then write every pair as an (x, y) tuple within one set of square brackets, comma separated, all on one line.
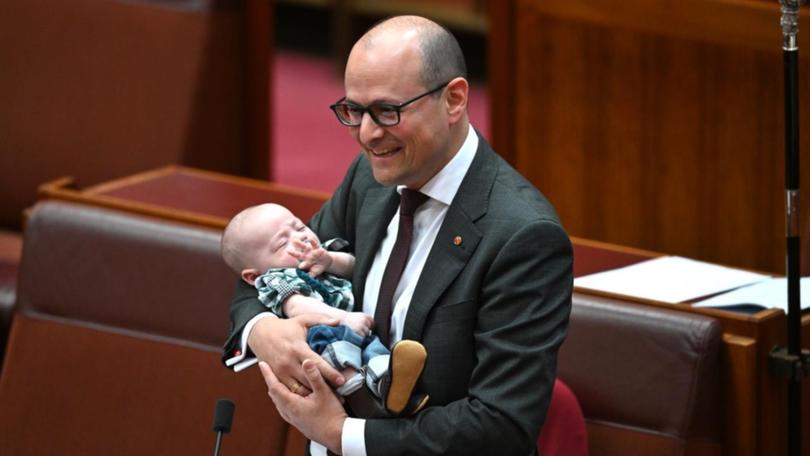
[(409, 202)]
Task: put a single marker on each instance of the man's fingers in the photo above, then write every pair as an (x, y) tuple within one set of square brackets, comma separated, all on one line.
[(299, 388), (312, 319), (314, 376), (269, 378), (278, 389), (325, 371), (328, 372), (274, 387)]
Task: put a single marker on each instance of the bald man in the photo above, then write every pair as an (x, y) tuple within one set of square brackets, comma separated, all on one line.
[(487, 284)]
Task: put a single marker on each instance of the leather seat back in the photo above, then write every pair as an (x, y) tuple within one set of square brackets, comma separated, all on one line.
[(116, 346), (647, 378)]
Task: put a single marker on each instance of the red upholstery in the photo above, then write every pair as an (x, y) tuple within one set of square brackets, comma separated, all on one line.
[(564, 432)]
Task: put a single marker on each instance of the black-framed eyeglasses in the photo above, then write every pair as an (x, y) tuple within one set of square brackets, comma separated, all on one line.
[(383, 114)]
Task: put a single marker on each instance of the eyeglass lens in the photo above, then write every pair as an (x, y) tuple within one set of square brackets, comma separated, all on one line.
[(350, 114), (386, 115)]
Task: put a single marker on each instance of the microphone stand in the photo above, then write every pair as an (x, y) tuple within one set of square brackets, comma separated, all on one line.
[(792, 363), (218, 443), (223, 416)]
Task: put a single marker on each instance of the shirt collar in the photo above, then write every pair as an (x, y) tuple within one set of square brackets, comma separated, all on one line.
[(444, 185)]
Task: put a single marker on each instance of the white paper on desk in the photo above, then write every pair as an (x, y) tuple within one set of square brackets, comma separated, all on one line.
[(771, 293), (669, 279)]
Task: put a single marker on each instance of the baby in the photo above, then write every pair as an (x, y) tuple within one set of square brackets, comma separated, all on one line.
[(274, 251)]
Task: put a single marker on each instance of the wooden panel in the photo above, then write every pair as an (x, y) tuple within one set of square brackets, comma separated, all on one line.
[(296, 444), (125, 395), (187, 195), (594, 256), (501, 60), (738, 381), (606, 440), (98, 89), (258, 45), (10, 247), (745, 23), (772, 391), (457, 14), (651, 124)]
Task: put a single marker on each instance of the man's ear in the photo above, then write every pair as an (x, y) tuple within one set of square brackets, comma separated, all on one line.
[(458, 91), (249, 275)]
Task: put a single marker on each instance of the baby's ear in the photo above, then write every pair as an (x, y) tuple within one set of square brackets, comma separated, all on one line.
[(249, 275)]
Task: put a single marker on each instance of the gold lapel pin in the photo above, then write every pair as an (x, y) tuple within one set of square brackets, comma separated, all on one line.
[(457, 240)]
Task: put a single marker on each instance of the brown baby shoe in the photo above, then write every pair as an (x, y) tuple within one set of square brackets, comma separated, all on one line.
[(404, 370)]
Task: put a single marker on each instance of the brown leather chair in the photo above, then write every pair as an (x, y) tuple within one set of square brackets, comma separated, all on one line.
[(116, 346), (647, 378)]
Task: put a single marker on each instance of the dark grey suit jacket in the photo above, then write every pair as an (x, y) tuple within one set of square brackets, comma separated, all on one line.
[(491, 312)]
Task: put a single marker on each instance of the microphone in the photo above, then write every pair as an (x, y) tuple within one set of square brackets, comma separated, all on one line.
[(223, 415)]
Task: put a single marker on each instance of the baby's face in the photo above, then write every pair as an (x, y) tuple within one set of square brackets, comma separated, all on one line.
[(274, 231)]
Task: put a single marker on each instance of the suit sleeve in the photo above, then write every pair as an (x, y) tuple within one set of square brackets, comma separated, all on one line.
[(521, 321)]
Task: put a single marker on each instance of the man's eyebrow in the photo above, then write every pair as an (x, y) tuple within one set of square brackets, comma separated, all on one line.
[(373, 102)]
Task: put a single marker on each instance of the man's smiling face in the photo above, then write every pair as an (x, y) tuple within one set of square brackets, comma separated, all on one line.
[(389, 71)]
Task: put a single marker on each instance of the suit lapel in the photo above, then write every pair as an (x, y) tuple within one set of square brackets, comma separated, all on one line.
[(443, 265), (446, 259), (377, 209)]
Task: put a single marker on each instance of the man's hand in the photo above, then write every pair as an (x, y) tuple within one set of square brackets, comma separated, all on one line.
[(319, 416), (282, 344), (359, 322)]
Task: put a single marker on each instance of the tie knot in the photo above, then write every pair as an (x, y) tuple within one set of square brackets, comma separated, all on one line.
[(410, 201)]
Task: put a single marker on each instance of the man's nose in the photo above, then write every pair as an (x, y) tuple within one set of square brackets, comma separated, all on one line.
[(369, 130)]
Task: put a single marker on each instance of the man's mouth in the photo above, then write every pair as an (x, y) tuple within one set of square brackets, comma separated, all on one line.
[(384, 152)]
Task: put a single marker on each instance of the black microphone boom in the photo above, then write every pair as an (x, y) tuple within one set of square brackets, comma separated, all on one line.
[(792, 362), (223, 415)]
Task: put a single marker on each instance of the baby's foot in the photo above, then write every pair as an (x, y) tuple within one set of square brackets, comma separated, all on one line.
[(354, 381)]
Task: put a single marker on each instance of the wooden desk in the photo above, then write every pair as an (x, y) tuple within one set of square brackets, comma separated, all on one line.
[(187, 195), (754, 416)]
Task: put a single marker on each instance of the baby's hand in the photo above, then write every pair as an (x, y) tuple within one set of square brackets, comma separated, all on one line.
[(359, 322), (311, 256)]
